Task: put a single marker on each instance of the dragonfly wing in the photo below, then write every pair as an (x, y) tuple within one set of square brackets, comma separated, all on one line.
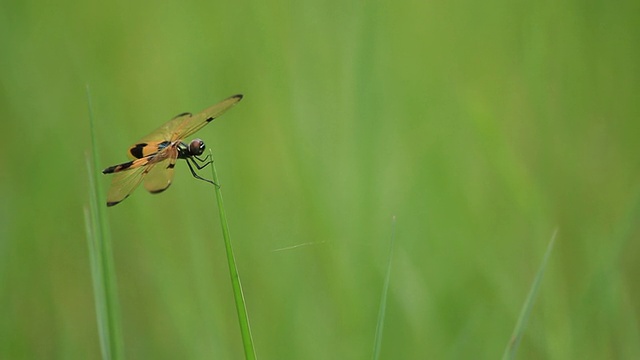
[(127, 177), (160, 176), (179, 127), (153, 142), (146, 148), (189, 124)]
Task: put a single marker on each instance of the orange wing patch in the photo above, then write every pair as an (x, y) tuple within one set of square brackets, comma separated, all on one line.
[(144, 149)]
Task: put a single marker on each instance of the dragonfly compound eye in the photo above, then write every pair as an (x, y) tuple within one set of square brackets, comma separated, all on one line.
[(196, 147)]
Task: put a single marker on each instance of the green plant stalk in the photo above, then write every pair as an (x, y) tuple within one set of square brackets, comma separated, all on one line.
[(98, 294), (101, 257), (518, 331), (377, 343), (241, 308), (90, 215)]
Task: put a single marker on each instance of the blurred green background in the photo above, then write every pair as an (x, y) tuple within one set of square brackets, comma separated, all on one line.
[(483, 126)]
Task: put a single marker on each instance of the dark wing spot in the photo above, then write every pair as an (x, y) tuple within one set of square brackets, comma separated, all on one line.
[(111, 203), (124, 166), (116, 168), (183, 114), (136, 150), (171, 165), (109, 170), (160, 190), (237, 96)]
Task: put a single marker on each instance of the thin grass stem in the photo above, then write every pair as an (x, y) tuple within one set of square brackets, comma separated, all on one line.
[(101, 258), (518, 331), (377, 343), (241, 308)]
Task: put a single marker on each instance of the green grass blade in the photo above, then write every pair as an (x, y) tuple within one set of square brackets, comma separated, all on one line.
[(96, 275), (241, 308), (101, 258), (377, 343), (516, 336)]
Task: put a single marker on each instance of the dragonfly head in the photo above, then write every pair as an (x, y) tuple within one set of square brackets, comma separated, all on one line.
[(196, 147)]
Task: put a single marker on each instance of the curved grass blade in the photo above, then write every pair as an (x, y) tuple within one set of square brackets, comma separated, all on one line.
[(101, 259), (516, 336), (241, 307), (377, 343)]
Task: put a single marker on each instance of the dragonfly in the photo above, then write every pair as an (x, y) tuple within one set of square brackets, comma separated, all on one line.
[(154, 157)]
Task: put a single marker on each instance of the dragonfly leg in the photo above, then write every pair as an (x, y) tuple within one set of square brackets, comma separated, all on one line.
[(195, 175), (207, 160)]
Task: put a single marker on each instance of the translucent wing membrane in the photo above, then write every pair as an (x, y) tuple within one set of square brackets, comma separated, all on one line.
[(124, 182), (193, 123), (159, 178), (182, 126), (164, 132)]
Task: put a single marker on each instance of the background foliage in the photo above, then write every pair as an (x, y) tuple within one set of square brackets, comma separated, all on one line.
[(482, 126)]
